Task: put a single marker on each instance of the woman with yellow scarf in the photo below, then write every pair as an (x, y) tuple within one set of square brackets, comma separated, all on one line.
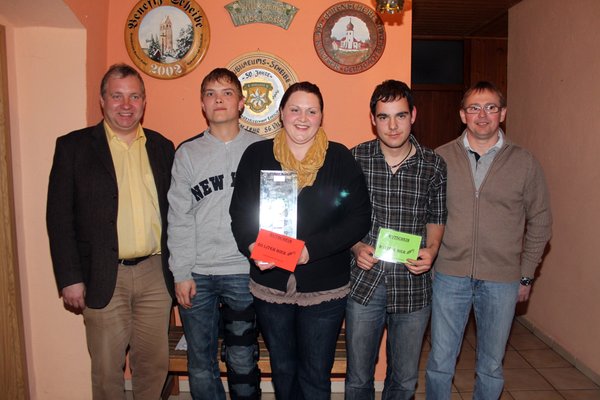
[(300, 313)]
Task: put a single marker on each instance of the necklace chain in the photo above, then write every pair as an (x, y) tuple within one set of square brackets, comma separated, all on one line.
[(404, 159)]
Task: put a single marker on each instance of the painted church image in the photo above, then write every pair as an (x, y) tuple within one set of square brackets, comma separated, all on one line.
[(166, 36), (349, 42)]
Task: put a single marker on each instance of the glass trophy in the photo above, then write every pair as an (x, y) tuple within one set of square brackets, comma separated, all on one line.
[(279, 201)]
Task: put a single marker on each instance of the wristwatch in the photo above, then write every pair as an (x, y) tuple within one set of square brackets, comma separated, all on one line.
[(526, 281)]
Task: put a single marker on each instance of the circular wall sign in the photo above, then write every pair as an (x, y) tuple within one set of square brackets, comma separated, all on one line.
[(349, 37), (166, 41), (264, 78)]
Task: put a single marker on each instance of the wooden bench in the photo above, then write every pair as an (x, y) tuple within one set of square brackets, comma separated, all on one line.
[(178, 360)]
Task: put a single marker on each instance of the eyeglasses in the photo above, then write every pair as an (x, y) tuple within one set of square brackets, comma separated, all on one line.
[(488, 108)]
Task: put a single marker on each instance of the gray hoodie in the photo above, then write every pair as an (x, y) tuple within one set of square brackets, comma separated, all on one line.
[(199, 225)]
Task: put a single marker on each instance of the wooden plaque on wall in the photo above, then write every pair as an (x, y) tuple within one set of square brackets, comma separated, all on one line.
[(167, 41), (264, 78), (349, 37)]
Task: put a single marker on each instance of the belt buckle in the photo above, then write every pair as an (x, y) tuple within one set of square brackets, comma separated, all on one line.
[(130, 262)]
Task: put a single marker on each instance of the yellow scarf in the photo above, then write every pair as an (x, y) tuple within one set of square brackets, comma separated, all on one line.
[(308, 168)]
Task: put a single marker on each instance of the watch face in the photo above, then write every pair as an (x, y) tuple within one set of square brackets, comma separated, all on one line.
[(526, 281)]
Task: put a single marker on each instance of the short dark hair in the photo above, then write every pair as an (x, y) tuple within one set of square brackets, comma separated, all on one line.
[(391, 90), (304, 86), (483, 86), (120, 71), (221, 74)]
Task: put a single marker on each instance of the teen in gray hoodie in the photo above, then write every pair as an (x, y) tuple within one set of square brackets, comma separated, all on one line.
[(211, 275)]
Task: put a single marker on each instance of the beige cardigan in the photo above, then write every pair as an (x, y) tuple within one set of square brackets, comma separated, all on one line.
[(501, 233)]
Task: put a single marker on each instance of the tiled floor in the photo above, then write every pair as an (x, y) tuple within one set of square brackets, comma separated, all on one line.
[(532, 371)]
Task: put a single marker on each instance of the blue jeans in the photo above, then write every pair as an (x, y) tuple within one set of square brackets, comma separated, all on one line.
[(494, 307), (301, 343), (201, 328), (364, 328)]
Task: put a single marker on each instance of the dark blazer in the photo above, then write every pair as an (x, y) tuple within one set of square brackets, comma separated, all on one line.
[(81, 214)]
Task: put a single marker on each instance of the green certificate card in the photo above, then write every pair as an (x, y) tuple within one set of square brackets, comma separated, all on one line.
[(397, 247)]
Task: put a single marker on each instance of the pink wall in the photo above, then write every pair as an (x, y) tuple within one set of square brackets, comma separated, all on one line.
[(93, 15), (554, 110), (174, 106), (47, 98)]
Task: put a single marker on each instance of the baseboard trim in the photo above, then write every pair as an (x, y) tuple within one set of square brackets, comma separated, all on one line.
[(560, 350)]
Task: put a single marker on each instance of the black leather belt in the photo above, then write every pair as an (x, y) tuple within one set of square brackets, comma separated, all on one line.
[(132, 261)]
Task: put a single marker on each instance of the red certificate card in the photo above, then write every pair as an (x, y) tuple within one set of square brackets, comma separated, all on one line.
[(281, 250)]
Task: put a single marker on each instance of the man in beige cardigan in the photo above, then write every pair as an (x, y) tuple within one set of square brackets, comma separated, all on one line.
[(499, 222)]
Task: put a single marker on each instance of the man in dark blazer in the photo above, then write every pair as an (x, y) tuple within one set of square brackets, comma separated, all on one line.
[(106, 218)]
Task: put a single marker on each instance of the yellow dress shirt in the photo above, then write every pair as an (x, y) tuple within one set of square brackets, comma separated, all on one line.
[(138, 219)]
